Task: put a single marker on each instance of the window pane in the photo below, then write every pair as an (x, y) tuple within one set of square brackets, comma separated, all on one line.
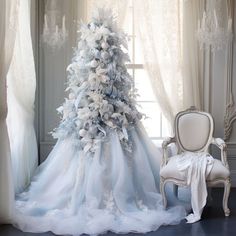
[(152, 122), (143, 85), (165, 127)]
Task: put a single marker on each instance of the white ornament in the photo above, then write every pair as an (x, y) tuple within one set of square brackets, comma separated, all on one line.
[(71, 96), (93, 63), (105, 45), (82, 132)]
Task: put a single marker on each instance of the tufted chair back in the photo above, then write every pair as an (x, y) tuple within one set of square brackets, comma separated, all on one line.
[(193, 130)]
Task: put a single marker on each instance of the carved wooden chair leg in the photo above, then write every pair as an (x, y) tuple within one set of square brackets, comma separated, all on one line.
[(227, 186), (162, 190)]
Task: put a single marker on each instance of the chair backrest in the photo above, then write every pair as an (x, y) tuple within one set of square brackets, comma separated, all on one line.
[(193, 130)]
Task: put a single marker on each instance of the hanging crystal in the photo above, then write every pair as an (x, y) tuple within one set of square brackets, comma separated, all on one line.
[(211, 34), (54, 29)]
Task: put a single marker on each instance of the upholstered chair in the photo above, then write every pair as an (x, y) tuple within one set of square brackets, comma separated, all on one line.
[(193, 133)]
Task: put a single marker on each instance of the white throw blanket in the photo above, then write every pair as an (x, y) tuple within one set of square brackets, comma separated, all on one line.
[(196, 167)]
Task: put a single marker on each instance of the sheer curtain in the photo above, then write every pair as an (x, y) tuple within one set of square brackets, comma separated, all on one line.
[(21, 82), (170, 52), (8, 27), (159, 31)]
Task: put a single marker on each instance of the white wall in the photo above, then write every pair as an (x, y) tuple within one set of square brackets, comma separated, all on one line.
[(51, 72), (218, 100)]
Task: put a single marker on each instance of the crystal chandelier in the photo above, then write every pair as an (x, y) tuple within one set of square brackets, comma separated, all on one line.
[(210, 34), (54, 35)]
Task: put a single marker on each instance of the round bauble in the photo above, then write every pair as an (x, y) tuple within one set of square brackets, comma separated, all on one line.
[(93, 63), (82, 132), (105, 45), (71, 96)]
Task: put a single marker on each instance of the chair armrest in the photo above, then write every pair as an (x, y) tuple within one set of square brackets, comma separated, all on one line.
[(165, 143), (220, 143)]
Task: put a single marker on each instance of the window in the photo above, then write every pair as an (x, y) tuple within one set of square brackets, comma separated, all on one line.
[(155, 123)]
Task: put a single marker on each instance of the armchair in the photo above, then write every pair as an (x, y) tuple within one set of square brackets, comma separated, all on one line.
[(193, 133)]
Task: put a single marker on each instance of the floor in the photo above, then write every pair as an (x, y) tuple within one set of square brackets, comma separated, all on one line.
[(213, 222)]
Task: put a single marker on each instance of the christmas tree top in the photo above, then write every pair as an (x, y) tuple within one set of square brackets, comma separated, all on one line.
[(100, 98)]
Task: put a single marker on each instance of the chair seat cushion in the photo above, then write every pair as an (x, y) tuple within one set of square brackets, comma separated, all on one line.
[(218, 171)]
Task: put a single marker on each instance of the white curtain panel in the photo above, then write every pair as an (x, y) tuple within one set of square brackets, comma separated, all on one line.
[(192, 55), (21, 82), (8, 27)]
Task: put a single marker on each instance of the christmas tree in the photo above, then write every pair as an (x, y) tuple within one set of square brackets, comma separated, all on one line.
[(101, 97), (103, 173)]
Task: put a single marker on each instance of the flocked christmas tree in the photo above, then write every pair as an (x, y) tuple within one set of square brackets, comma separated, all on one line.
[(100, 98), (105, 189)]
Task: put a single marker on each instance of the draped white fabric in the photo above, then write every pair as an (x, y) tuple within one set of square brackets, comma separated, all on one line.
[(21, 81), (8, 26), (195, 167)]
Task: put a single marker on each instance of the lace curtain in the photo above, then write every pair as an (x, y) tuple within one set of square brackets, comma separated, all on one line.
[(18, 151), (21, 82), (159, 29), (167, 34), (8, 27)]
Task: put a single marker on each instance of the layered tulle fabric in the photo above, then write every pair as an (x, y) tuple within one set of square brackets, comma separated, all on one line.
[(112, 190)]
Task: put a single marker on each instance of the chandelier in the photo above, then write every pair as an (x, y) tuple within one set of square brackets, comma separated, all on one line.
[(210, 34), (54, 35)]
